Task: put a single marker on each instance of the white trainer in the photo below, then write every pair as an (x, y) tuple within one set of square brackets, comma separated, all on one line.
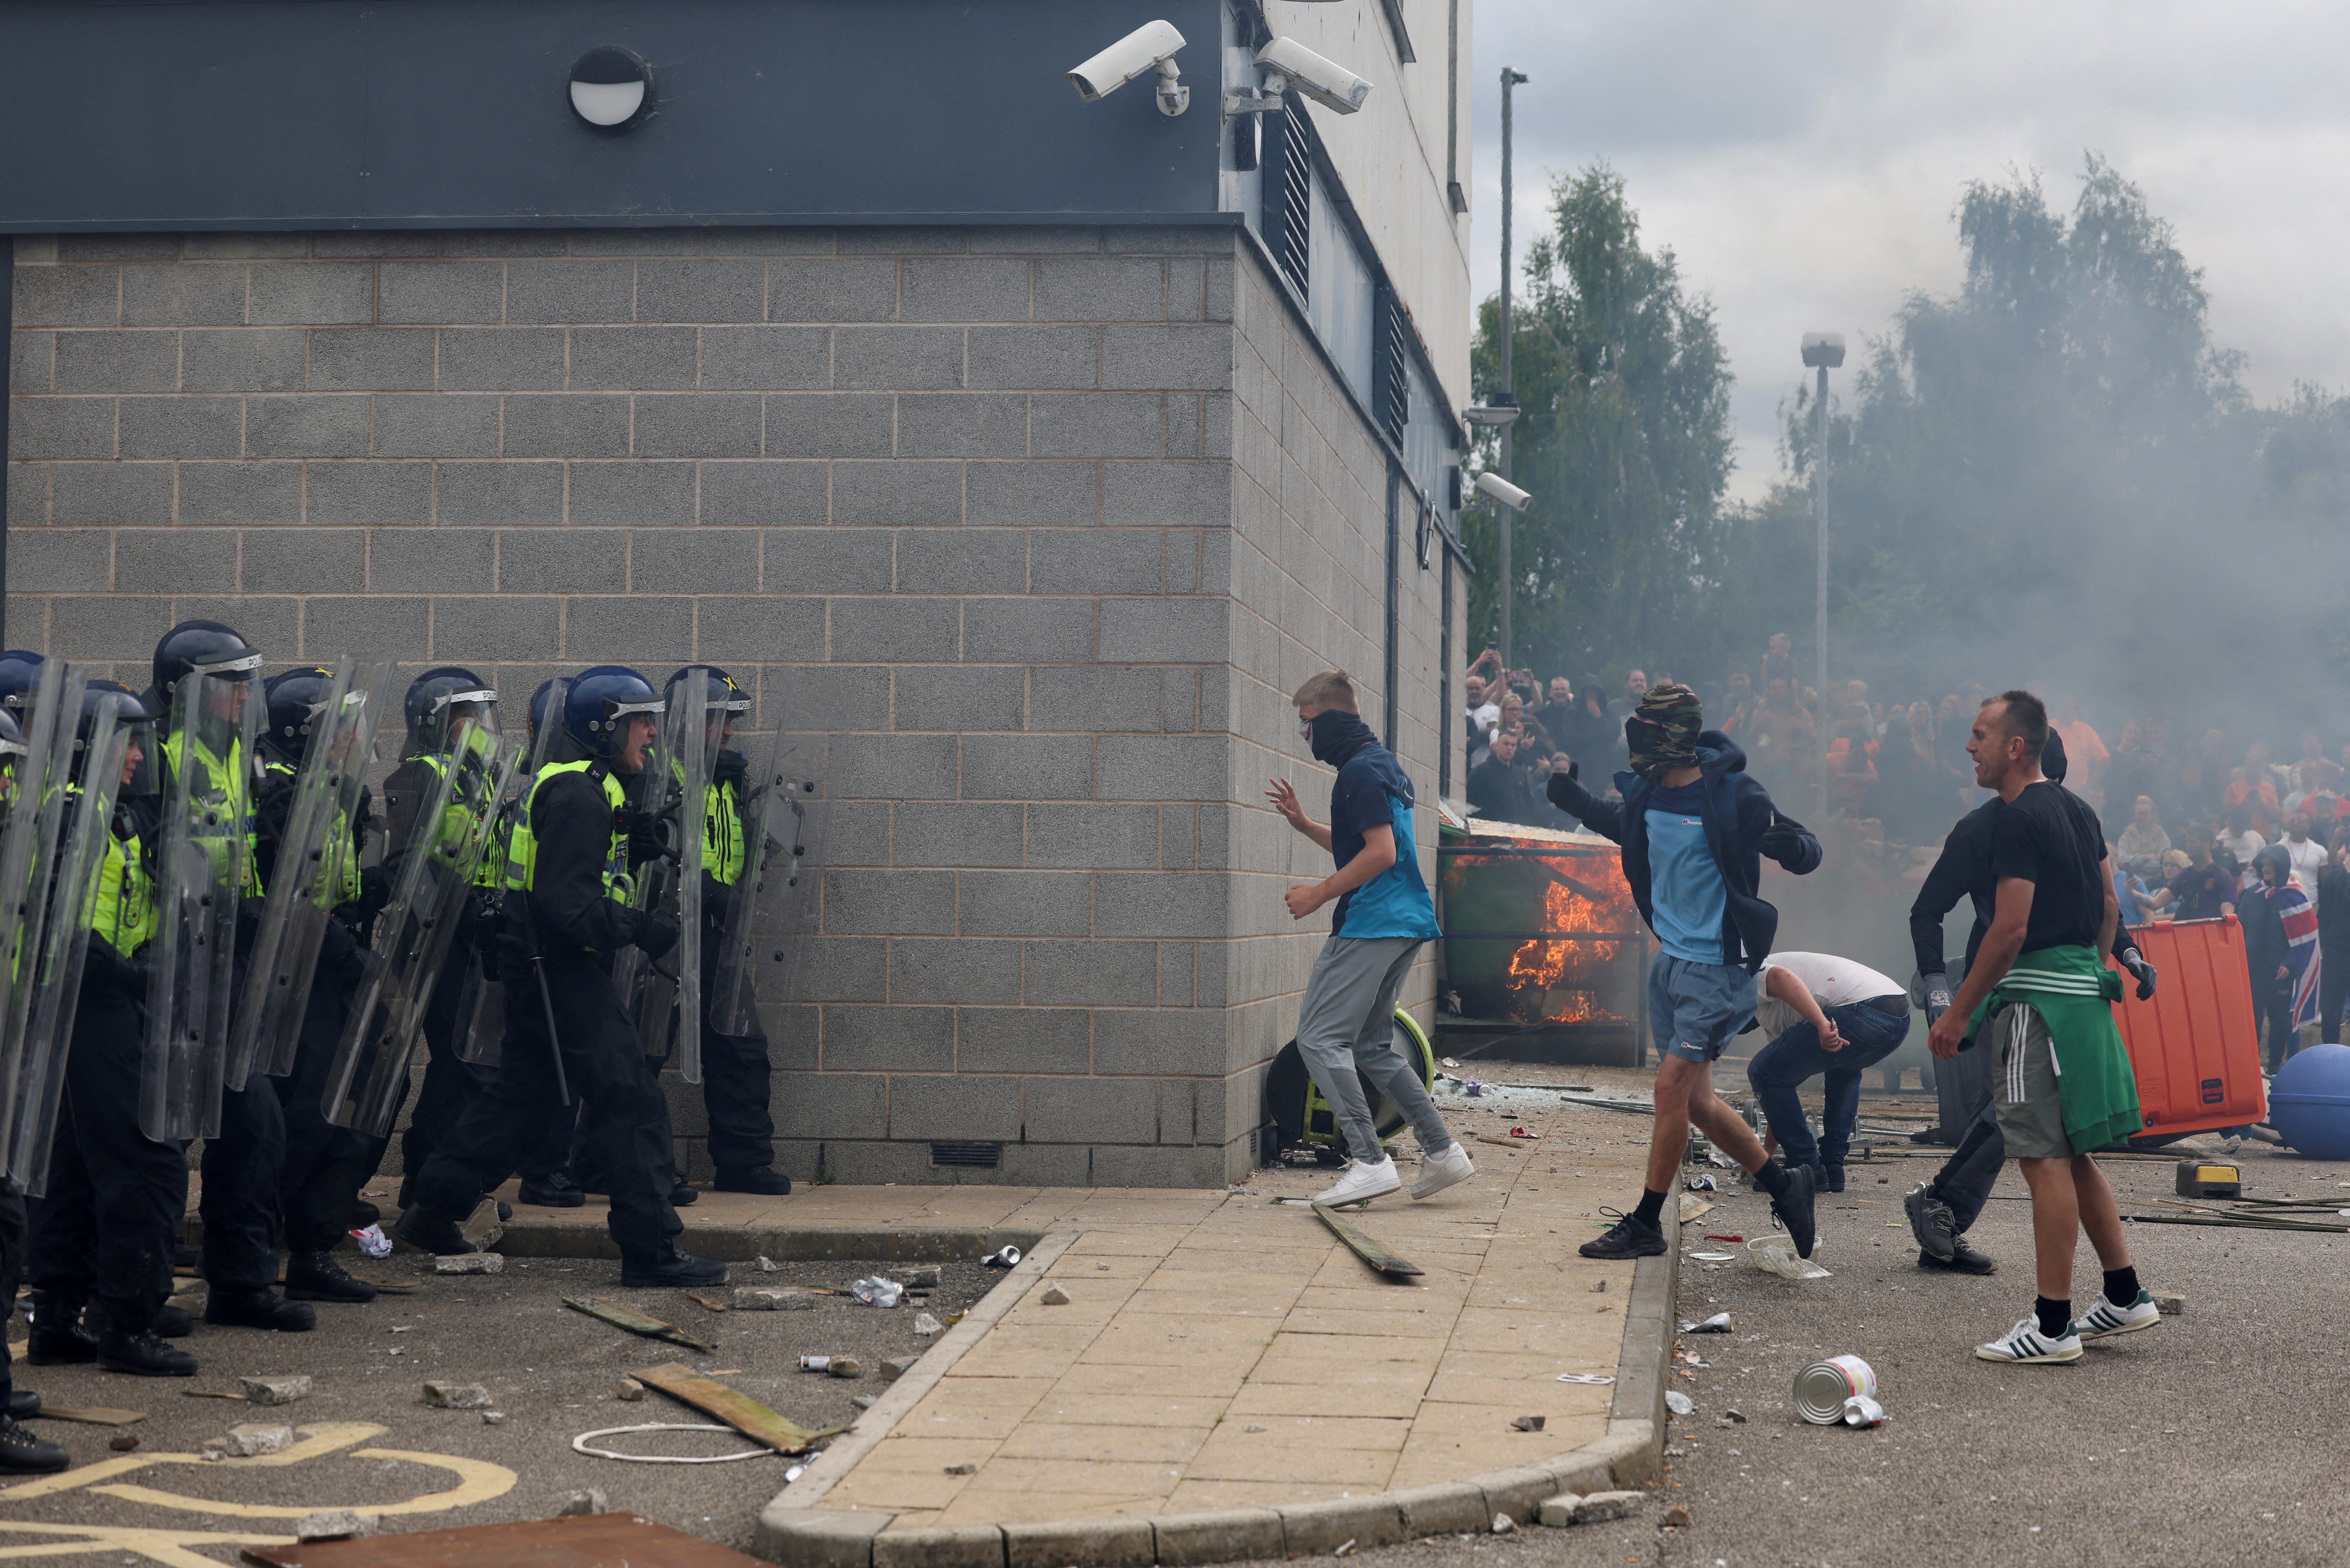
[(1438, 1171), (2024, 1345), (1362, 1182), (2106, 1318)]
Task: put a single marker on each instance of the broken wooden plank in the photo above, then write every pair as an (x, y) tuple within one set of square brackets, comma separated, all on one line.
[(738, 1410), (91, 1415), (635, 1321), (1373, 1252), (582, 1541)]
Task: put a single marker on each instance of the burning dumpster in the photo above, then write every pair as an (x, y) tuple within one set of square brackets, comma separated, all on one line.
[(1542, 945)]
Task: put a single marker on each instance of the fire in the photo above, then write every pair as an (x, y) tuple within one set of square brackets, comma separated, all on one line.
[(1537, 968), (1567, 890)]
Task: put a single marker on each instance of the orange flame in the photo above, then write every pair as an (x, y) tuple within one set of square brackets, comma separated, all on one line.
[(1563, 982)]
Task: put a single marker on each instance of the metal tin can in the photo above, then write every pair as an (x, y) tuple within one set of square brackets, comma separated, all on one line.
[(816, 1363), (1823, 1389)]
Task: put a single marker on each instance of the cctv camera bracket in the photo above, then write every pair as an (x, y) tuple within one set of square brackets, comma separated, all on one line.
[(1174, 97), (1267, 99)]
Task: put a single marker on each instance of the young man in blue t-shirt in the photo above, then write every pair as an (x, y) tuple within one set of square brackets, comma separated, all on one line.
[(1694, 826), (1345, 1028)]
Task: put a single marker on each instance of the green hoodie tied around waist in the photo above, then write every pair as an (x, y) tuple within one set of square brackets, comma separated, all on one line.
[(2074, 993)]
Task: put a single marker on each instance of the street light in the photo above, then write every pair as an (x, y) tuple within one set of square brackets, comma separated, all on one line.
[(1507, 397), (1823, 351)]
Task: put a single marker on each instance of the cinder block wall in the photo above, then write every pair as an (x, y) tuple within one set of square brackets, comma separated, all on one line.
[(1022, 526)]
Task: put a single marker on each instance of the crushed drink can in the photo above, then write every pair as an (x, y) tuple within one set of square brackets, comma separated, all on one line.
[(1009, 1257), (1841, 1390), (816, 1363)]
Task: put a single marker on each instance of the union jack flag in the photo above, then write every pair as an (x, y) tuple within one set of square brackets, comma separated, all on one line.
[(2299, 917)]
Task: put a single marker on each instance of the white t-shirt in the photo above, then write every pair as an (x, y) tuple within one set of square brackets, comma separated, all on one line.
[(1832, 981), (2308, 860)]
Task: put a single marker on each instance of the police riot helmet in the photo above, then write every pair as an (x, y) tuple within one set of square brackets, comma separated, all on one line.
[(202, 648), (296, 698), (720, 688), (441, 694), (538, 701), (129, 713), (602, 701), (20, 671)]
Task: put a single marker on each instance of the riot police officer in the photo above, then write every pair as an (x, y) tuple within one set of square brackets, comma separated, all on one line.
[(735, 1067), (564, 924)]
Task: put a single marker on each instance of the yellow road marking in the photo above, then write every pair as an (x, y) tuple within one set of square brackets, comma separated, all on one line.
[(169, 1547), (478, 1481)]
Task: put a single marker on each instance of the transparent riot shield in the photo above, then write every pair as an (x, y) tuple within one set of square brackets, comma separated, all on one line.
[(653, 797), (312, 870), (433, 877), (204, 866), (54, 981), (772, 909), (668, 1002), (37, 801), (481, 1035)]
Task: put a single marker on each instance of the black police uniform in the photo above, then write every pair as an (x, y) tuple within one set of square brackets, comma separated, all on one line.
[(736, 1076)]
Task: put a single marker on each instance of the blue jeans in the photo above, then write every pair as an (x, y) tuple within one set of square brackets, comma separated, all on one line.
[(1788, 1062)]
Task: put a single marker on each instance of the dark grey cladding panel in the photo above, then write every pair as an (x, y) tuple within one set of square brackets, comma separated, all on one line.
[(431, 113)]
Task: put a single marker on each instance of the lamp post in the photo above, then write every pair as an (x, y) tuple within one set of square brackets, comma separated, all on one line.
[(1508, 395), (1823, 351)]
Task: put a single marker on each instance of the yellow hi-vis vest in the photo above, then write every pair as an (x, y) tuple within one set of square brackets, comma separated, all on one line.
[(522, 845), (338, 869), (220, 783), (469, 801), (122, 908)]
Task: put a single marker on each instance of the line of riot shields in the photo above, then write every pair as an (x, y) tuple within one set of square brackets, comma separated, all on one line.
[(230, 963)]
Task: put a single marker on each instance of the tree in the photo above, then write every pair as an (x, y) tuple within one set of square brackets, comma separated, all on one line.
[(1623, 441)]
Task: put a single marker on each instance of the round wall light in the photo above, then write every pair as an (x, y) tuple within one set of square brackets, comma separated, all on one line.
[(611, 89)]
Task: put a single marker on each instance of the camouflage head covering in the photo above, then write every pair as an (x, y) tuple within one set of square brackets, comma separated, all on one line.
[(1662, 733)]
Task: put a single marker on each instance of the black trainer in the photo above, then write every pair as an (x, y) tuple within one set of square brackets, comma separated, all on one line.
[(317, 1277), (556, 1192), (671, 1267), (506, 1212), (22, 1404), (1792, 1209), (1630, 1237), (767, 1183), (1831, 1178), (429, 1231), (1932, 1222), (142, 1356), (59, 1339), (363, 1214), (683, 1195), (172, 1323), (1964, 1260), (258, 1309), (24, 1454)]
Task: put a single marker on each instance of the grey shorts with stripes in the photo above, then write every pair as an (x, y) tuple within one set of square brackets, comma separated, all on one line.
[(2027, 1095)]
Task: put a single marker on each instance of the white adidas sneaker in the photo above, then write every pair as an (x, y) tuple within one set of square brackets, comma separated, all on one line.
[(1364, 1181), (2024, 1345), (2106, 1318), (1438, 1171)]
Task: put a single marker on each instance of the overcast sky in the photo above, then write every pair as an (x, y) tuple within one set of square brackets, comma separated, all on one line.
[(1805, 159)]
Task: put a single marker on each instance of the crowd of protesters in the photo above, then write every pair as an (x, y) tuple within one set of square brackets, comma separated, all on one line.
[(2199, 827)]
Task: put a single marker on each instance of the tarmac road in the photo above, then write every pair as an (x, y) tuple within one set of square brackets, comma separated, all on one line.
[(2213, 1439), (553, 1371)]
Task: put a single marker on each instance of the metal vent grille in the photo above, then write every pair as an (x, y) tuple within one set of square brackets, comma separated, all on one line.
[(1288, 194), (1390, 375), (978, 1155)]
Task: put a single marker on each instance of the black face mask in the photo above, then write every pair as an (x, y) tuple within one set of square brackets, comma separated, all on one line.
[(1337, 735)]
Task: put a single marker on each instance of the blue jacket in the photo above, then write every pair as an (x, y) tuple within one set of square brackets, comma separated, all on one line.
[(1737, 811)]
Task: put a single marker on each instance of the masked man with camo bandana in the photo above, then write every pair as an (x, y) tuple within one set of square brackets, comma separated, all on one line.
[(1694, 826)]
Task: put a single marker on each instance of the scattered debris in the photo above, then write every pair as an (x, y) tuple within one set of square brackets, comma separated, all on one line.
[(252, 1439), (629, 1390), (927, 1325), (965, 1469), (635, 1321), (838, 1365), (1717, 1324), (1775, 1255), (2169, 1305), (1252, 1428), (1733, 1417), (334, 1524), (1530, 1423), (92, 1415), (1504, 1525), (494, 1418), (1591, 1377), (876, 1291), (1840, 1390), (456, 1396), (208, 1394), (1343, 1549), (712, 1303), (1714, 1236), (1055, 1296), (766, 1265), (864, 1401), (1003, 1258), (1679, 1403), (774, 1298), (471, 1263), (580, 1444), (1599, 1287), (1592, 1508), (275, 1390), (591, 1500), (1362, 1246), (740, 1411), (123, 1442), (1677, 1517), (1703, 1184), (925, 1278), (895, 1367)]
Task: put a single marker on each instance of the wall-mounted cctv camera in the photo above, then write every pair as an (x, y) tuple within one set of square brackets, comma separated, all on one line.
[(1150, 47), (1502, 490), (1326, 82)]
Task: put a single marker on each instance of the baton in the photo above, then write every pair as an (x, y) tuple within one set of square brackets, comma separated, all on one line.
[(553, 1041)]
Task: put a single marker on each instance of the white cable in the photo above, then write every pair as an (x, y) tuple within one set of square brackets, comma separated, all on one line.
[(579, 1445)]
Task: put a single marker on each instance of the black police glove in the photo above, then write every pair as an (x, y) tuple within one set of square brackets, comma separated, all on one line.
[(127, 975), (717, 900), (2134, 962), (1936, 989), (375, 890), (1782, 840), (656, 933)]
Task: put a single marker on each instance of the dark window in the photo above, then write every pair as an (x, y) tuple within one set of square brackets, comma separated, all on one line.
[(1391, 366), (1287, 161)]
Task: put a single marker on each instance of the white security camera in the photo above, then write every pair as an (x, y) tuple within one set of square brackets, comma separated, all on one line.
[(1502, 490), (1327, 83), (1150, 47)]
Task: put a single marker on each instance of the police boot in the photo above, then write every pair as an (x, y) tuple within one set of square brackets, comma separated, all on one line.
[(763, 1181), (21, 1453), (141, 1352), (556, 1190), (683, 1194), (317, 1277), (669, 1266), (22, 1404), (59, 1339), (257, 1309), (172, 1323), (430, 1230)]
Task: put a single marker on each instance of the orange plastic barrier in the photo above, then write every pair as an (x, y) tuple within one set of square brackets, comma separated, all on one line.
[(2196, 1045)]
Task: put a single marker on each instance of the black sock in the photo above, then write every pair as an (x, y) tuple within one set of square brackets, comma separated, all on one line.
[(2121, 1284), (1651, 1212), (1773, 1178), (2055, 1316)]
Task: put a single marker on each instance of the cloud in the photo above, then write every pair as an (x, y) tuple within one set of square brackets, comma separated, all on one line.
[(1805, 159)]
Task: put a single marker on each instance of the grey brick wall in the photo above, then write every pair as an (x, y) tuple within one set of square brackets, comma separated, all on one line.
[(1031, 532)]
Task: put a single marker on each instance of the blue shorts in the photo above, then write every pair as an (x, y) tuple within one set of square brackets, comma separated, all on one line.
[(1694, 1009)]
